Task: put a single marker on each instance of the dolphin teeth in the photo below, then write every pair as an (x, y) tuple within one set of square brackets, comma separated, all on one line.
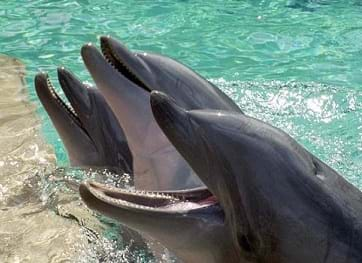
[(116, 62), (150, 200), (61, 103)]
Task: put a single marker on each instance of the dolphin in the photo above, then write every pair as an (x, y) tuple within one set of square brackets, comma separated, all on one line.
[(89, 129), (272, 199), (152, 71), (188, 222), (126, 79)]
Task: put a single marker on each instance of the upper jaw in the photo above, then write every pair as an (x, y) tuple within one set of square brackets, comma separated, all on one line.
[(186, 135), (75, 91), (49, 97), (104, 73), (55, 106), (127, 63)]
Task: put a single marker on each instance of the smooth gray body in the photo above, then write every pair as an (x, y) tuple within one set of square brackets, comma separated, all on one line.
[(281, 203), (89, 129), (125, 79)]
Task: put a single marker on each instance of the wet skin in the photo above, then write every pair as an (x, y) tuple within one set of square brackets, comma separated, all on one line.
[(268, 198), (125, 79), (87, 127)]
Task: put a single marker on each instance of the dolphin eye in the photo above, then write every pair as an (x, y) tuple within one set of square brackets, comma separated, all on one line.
[(244, 243)]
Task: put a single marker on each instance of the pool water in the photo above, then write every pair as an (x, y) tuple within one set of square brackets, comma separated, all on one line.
[(295, 64)]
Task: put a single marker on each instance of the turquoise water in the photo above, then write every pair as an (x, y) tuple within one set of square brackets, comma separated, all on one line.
[(238, 41), (296, 64)]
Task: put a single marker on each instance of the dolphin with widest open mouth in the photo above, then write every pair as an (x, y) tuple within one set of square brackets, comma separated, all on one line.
[(271, 199), (88, 128), (126, 79)]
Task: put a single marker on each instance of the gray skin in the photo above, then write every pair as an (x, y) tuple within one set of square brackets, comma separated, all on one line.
[(88, 128), (269, 200), (125, 79), (281, 203), (188, 222)]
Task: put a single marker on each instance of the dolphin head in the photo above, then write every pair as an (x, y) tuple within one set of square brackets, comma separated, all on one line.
[(88, 127), (281, 204), (125, 79), (189, 222), (157, 72), (156, 163)]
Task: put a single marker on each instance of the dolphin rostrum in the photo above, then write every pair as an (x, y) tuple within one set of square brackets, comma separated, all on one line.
[(88, 127), (272, 199), (126, 79)]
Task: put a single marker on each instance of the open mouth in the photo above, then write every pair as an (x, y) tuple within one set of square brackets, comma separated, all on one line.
[(117, 63), (68, 109), (163, 201), (66, 106)]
